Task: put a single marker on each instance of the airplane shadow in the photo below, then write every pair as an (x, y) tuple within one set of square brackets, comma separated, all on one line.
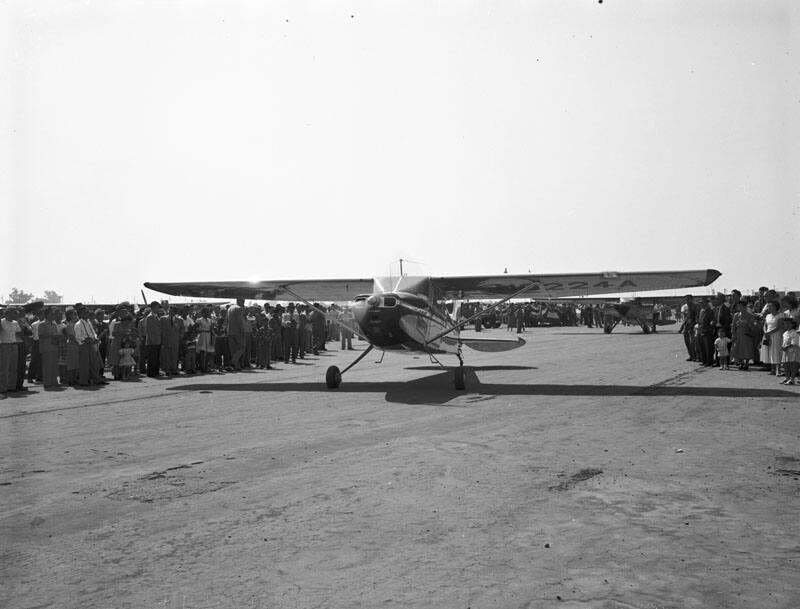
[(438, 389)]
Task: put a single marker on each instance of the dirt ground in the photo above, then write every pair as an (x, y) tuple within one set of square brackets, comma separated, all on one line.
[(582, 470)]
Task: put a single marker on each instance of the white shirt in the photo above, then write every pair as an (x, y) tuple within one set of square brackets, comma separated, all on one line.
[(8, 331), (84, 330), (35, 328), (111, 325)]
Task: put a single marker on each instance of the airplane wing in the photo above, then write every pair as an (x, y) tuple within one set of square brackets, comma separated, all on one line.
[(338, 290), (579, 284)]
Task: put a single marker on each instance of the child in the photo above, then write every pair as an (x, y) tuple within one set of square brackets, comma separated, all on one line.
[(126, 361), (722, 345), (791, 350)]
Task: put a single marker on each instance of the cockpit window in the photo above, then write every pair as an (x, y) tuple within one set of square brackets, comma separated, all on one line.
[(389, 301)]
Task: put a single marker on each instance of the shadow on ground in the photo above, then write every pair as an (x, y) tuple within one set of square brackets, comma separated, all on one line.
[(438, 389)]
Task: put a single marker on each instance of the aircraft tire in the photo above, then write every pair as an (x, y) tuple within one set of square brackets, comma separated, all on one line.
[(333, 378), (607, 328), (459, 380)]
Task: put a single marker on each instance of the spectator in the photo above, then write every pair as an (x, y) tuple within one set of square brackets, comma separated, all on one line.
[(743, 329), (171, 333), (152, 340), (345, 323), (771, 343), (88, 353), (49, 339), (236, 333), (9, 328), (705, 332), (289, 322), (72, 347), (317, 329), (205, 339), (791, 350), (689, 315)]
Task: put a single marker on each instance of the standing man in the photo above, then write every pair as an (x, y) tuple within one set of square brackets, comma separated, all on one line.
[(723, 318), (23, 337), (706, 331), (35, 367), (48, 348), (302, 325), (289, 321), (347, 320), (236, 333), (152, 339), (8, 352), (317, 329), (689, 313), (276, 333), (88, 354), (171, 330)]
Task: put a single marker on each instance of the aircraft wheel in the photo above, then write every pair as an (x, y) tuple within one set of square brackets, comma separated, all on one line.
[(459, 379), (333, 378), (645, 329), (607, 328)]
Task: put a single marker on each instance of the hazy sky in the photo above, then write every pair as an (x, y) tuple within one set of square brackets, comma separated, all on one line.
[(181, 141)]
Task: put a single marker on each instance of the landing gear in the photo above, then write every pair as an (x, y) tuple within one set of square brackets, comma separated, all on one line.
[(458, 377), (333, 378), (459, 380)]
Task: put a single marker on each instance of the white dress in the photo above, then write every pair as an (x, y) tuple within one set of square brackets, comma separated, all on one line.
[(204, 342), (771, 354)]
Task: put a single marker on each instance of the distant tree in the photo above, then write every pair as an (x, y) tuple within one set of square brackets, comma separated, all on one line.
[(18, 297), (52, 297)]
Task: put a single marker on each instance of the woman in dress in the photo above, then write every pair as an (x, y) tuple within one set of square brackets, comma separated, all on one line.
[(743, 330), (205, 339), (771, 343)]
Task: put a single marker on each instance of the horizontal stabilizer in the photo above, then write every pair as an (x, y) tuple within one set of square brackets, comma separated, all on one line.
[(490, 345)]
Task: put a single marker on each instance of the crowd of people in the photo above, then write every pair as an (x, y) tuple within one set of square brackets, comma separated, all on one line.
[(79, 347), (734, 330)]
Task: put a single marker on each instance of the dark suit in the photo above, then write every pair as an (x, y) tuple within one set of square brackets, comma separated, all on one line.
[(170, 329), (152, 344), (705, 320)]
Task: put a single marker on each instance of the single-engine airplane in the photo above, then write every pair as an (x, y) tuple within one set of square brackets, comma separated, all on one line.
[(409, 314)]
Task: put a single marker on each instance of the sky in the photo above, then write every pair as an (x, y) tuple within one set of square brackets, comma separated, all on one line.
[(197, 140)]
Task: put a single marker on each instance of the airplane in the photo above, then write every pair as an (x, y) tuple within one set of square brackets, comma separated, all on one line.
[(632, 312), (409, 313)]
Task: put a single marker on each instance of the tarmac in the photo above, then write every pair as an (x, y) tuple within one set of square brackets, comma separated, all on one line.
[(582, 470)]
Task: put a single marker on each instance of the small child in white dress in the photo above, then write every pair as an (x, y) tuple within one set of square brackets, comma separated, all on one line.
[(723, 347), (791, 351), (126, 361)]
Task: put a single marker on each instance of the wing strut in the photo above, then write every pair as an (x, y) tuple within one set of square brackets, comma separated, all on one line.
[(480, 313)]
